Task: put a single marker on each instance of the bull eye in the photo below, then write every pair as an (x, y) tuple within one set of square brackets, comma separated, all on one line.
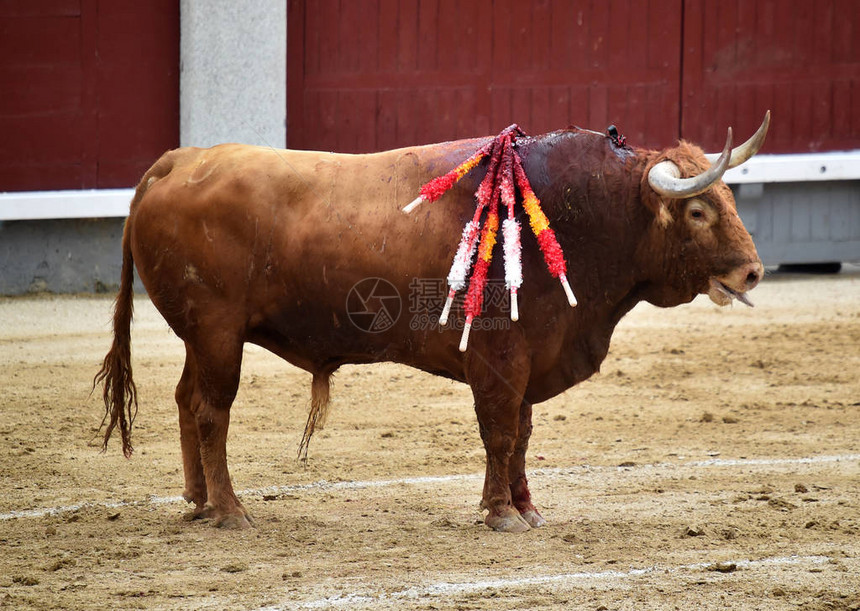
[(696, 212)]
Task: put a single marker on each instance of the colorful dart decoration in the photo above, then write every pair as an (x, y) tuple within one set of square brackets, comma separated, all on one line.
[(505, 174)]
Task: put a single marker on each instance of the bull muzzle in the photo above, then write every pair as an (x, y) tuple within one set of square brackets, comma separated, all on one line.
[(734, 285)]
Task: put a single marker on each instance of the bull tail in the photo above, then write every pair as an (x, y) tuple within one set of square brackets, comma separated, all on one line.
[(119, 390), (320, 388)]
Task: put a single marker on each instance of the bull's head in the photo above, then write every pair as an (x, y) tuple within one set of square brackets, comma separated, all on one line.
[(706, 248)]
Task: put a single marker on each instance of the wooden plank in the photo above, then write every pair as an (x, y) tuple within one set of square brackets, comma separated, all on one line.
[(386, 122), (428, 39), (580, 105), (600, 25), (36, 143), (501, 113), (552, 62), (88, 117), (518, 39), (799, 214), (617, 37), (388, 18), (598, 106), (846, 29), (73, 69), (40, 8), (455, 46), (471, 120), (298, 47), (42, 176), (445, 114), (539, 116), (558, 107), (565, 33), (39, 90), (324, 15), (501, 48), (820, 221), (356, 129), (854, 130), (42, 41), (353, 43), (540, 109), (539, 43), (663, 27), (136, 124), (692, 98), (406, 120), (407, 26)]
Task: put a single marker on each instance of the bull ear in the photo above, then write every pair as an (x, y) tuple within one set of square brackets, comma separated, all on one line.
[(655, 203)]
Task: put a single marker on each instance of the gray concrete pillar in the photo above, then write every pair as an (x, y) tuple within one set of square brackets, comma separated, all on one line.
[(233, 72)]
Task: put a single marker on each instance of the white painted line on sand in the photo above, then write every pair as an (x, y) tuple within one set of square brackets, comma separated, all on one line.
[(535, 474), (552, 581)]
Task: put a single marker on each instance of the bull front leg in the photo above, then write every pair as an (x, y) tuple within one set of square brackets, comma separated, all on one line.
[(498, 380), (520, 494)]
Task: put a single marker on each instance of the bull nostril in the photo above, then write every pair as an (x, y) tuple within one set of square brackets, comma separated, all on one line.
[(752, 279)]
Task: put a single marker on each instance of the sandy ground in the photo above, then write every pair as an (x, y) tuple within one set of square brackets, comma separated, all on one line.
[(714, 463)]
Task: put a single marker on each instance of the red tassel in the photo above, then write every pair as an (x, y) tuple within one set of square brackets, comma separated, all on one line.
[(505, 174), (434, 189), (552, 253), (474, 301)]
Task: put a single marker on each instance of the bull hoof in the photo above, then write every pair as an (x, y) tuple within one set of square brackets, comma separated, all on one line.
[(238, 519), (233, 521), (534, 519), (510, 521), (200, 512)]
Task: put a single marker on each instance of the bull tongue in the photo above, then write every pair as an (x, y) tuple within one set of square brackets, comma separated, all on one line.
[(742, 297)]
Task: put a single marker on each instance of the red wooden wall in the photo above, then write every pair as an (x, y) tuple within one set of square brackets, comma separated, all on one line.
[(374, 74), (90, 91), (368, 75), (800, 58)]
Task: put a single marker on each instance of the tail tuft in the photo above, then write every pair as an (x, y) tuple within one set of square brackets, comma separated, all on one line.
[(320, 389), (120, 392)]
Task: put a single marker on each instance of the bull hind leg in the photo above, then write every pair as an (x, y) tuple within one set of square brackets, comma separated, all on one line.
[(205, 395), (195, 481)]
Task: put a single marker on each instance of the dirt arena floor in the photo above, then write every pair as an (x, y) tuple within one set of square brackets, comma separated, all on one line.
[(714, 463)]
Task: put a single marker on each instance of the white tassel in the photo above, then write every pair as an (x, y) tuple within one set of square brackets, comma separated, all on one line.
[(513, 262), (463, 258), (567, 290), (464, 340), (414, 204), (443, 318), (513, 253)]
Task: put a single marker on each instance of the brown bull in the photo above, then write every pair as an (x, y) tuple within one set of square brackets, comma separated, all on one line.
[(240, 244)]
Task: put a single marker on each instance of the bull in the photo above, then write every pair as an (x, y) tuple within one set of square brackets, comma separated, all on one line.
[(240, 244)]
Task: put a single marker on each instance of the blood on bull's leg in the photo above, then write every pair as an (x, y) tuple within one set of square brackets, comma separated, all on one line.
[(520, 494)]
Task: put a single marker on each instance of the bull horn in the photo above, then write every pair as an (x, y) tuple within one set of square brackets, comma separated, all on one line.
[(665, 179), (748, 148)]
